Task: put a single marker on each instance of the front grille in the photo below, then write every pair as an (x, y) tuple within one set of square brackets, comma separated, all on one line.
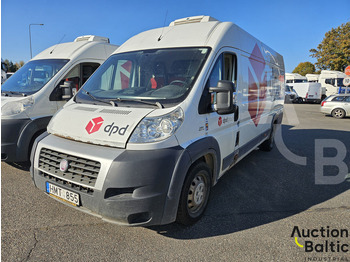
[(80, 171)]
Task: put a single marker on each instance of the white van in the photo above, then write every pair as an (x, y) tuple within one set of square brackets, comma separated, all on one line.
[(309, 92), (3, 71), (312, 78), (332, 81), (159, 123), (295, 78), (34, 93)]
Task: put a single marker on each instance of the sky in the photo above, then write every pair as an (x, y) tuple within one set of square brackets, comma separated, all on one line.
[(291, 28)]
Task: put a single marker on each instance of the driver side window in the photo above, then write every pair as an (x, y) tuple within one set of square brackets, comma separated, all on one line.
[(224, 69), (78, 75)]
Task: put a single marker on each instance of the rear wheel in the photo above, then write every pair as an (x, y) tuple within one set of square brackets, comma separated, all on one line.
[(195, 194), (338, 113)]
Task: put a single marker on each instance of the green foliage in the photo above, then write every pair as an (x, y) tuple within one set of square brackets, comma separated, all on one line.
[(304, 68), (13, 67), (333, 53)]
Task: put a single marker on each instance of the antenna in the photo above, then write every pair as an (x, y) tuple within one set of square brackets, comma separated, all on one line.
[(161, 34), (57, 44)]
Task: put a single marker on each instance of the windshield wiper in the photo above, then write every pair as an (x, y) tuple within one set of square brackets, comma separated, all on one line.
[(110, 102), (13, 93), (159, 105)]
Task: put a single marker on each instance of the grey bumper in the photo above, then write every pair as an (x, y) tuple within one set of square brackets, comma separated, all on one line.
[(138, 187)]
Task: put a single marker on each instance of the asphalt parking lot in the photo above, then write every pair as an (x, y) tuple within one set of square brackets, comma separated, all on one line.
[(251, 214)]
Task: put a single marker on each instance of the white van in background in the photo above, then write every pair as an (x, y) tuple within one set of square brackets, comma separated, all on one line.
[(312, 78), (295, 78), (42, 86), (309, 92), (161, 121), (332, 81), (4, 70)]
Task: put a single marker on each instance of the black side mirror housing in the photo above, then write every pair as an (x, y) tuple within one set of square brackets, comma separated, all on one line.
[(67, 90), (224, 97)]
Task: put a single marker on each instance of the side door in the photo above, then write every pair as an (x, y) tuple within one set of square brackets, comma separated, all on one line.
[(78, 74), (222, 127)]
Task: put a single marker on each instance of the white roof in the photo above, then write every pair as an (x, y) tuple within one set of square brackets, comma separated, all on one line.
[(294, 76), (330, 73), (312, 76), (89, 46), (198, 31)]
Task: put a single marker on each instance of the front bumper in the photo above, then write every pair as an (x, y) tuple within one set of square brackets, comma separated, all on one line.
[(131, 188), (11, 130)]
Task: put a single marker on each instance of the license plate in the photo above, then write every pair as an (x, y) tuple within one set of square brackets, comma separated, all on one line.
[(63, 194), (311, 96)]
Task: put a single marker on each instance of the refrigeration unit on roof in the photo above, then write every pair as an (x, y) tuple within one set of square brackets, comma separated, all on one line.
[(92, 38), (193, 19)]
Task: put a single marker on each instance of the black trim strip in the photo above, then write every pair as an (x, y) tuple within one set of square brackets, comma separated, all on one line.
[(227, 161)]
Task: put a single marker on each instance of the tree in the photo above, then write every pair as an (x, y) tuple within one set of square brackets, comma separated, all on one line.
[(304, 68), (334, 51), (13, 67), (19, 65)]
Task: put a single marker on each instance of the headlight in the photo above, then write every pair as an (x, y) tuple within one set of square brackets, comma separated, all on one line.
[(153, 129), (14, 108)]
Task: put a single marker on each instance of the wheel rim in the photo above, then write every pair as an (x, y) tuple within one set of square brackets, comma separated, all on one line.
[(338, 113), (197, 193)]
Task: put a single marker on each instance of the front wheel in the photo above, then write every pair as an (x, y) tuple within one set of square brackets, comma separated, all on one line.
[(194, 195)]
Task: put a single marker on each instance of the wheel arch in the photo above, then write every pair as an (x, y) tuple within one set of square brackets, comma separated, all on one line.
[(28, 135), (203, 150)]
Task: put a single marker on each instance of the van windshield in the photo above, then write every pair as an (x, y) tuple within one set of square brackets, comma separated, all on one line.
[(159, 75), (32, 76)]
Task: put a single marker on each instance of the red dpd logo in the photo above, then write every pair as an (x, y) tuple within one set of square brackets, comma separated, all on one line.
[(94, 125)]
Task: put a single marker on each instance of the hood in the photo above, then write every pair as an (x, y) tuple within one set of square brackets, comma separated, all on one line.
[(100, 125), (6, 99)]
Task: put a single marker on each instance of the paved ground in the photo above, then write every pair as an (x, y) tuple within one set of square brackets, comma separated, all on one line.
[(251, 214)]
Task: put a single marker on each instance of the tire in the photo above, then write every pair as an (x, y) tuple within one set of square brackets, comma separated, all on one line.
[(267, 145), (299, 100), (338, 113), (194, 194)]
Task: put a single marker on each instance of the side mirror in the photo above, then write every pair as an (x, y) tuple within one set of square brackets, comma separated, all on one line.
[(67, 90), (224, 97)]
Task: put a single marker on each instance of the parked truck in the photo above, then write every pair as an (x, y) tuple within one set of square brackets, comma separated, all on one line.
[(34, 93), (295, 78), (332, 81), (312, 78), (160, 122)]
